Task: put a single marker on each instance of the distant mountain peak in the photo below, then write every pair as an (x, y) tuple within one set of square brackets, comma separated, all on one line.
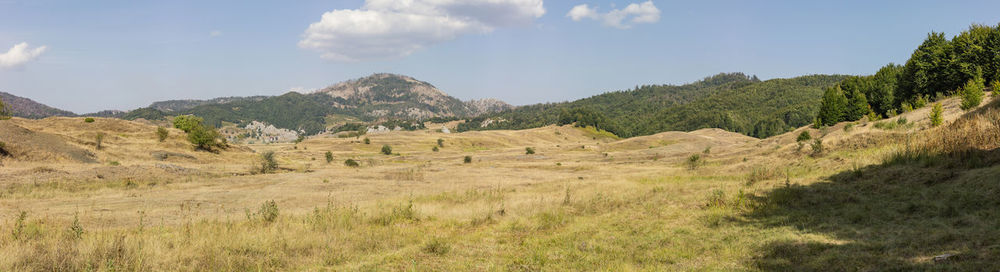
[(385, 94)]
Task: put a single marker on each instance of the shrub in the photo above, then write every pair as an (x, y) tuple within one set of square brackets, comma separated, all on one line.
[(529, 151), (162, 133), (266, 163), (467, 159), (88, 120), (367, 141), (435, 149), (3, 149), (804, 136), (4, 112), (848, 127), (972, 93), (268, 211), (906, 107), (386, 149), (440, 142), (708, 150), (329, 157), (300, 138), (995, 86), (436, 246), (817, 147), (188, 123), (205, 138), (75, 229), (99, 139), (693, 161), (351, 163), (936, 115)]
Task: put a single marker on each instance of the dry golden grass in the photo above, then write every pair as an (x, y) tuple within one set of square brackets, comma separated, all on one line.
[(581, 202)]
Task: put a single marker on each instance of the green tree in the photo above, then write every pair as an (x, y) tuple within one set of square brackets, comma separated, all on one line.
[(857, 106), (937, 115), (205, 138), (972, 93), (188, 123), (386, 149), (926, 72), (832, 106), (329, 157)]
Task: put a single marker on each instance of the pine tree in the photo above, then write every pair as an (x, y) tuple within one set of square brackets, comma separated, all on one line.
[(832, 107), (857, 107), (972, 93), (936, 115)]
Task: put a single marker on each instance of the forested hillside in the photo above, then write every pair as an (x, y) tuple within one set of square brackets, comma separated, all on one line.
[(733, 101), (938, 68)]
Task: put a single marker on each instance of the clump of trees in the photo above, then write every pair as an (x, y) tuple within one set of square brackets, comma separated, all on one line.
[(937, 68), (201, 136)]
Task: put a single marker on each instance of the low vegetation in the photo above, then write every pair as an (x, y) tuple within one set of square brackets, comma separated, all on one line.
[(161, 134)]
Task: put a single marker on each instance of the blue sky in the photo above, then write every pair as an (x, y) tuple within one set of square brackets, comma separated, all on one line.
[(126, 54)]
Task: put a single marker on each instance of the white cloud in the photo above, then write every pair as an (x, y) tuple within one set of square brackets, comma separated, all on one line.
[(215, 33), (19, 55), (645, 13), (383, 29)]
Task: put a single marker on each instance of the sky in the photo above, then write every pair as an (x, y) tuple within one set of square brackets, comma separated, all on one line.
[(86, 56)]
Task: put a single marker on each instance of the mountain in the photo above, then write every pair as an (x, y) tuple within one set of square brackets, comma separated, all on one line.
[(391, 95), (180, 105), (27, 108), (733, 101)]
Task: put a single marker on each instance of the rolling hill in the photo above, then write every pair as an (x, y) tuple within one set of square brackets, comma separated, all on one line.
[(27, 108)]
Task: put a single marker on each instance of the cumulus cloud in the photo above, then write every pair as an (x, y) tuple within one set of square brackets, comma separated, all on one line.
[(384, 29), (19, 55), (645, 13)]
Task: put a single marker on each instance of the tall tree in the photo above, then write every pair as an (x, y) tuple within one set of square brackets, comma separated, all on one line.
[(857, 106), (832, 107)]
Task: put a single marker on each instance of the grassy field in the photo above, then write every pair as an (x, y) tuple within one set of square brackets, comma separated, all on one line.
[(870, 199)]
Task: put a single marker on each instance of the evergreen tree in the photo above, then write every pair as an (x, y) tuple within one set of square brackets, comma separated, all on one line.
[(857, 106), (832, 106), (972, 93)]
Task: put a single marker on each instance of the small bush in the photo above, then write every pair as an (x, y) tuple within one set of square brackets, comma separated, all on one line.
[(936, 115), (995, 86), (329, 157), (848, 127), (99, 139), (906, 107), (804, 136), (435, 149), (351, 163), (436, 246), (708, 150), (694, 161), (367, 141), (268, 211), (817, 147), (162, 133), (440, 142), (467, 159), (529, 151), (88, 120), (75, 229), (972, 93), (266, 163), (386, 149)]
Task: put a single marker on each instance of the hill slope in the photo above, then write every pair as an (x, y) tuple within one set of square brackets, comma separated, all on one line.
[(735, 102), (390, 95), (27, 108)]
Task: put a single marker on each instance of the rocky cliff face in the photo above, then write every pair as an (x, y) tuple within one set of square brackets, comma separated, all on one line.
[(390, 95)]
